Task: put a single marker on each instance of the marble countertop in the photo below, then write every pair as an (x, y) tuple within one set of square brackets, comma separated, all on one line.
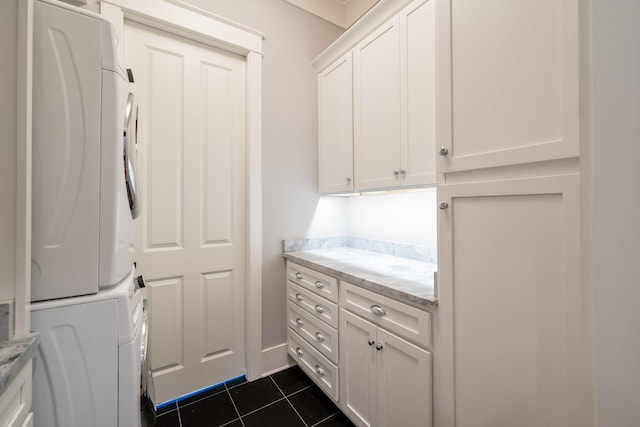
[(403, 279), (14, 354)]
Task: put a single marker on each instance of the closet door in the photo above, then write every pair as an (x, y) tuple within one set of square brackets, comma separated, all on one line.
[(190, 242)]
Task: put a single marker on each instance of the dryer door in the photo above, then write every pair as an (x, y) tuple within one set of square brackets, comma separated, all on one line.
[(130, 151)]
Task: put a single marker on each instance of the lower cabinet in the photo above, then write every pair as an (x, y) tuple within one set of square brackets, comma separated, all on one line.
[(368, 352), (384, 379), (15, 401)]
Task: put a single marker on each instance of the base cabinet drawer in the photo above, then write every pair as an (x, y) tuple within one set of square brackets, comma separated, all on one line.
[(313, 281), (314, 304), (320, 335), (405, 321), (315, 365), (15, 401)]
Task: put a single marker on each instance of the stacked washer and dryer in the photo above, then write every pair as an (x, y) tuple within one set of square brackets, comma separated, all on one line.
[(86, 299)]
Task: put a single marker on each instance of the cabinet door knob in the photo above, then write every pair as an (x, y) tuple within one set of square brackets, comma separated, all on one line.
[(443, 205), (319, 371), (348, 180), (319, 284), (403, 172), (371, 341), (299, 352), (396, 173), (319, 337), (299, 297), (299, 322), (299, 276), (319, 308), (444, 151), (378, 311), (379, 347)]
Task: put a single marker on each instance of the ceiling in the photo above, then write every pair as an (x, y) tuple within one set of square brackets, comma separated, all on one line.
[(342, 13)]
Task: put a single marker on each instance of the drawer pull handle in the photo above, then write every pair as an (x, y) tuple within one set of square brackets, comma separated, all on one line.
[(378, 311), (379, 346), (299, 276), (299, 322), (319, 309), (319, 371), (371, 341), (299, 352), (299, 297), (319, 337), (319, 284)]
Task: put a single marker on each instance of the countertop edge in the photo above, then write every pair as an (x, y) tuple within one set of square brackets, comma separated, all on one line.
[(11, 365), (395, 294)]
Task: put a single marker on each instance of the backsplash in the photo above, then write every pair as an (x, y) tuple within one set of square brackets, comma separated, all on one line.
[(6, 320), (405, 250)]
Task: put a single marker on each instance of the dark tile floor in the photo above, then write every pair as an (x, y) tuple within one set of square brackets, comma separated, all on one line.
[(285, 399)]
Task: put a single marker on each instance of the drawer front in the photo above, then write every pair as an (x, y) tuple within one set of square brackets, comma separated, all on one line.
[(403, 320), (15, 401), (314, 304), (317, 333), (314, 281), (315, 365)]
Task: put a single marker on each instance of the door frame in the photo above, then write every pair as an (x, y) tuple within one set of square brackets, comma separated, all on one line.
[(181, 19)]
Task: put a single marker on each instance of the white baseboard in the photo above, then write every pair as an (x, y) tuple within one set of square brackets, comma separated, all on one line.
[(275, 359)]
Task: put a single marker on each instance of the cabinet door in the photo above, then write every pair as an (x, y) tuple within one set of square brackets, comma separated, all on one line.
[(507, 82), (418, 93), (404, 383), (377, 108), (335, 126), (358, 369), (511, 304)]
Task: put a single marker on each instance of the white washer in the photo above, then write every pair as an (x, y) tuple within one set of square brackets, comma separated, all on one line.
[(87, 366)]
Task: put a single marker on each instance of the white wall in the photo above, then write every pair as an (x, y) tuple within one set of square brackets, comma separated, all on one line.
[(8, 136), (616, 201)]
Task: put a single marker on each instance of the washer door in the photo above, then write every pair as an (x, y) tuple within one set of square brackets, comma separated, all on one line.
[(130, 151)]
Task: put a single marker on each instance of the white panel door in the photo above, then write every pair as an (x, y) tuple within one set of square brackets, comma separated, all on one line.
[(508, 82), (376, 63), (190, 244), (335, 126), (511, 330)]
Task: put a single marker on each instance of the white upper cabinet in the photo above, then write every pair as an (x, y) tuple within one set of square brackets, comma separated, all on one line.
[(377, 108), (418, 93), (508, 82), (382, 105), (335, 126)]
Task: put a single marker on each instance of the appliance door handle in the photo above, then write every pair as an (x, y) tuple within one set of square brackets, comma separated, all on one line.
[(130, 154)]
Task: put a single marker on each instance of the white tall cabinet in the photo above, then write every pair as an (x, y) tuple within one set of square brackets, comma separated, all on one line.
[(512, 310)]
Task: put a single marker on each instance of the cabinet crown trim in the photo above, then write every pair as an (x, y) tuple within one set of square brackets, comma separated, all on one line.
[(376, 16)]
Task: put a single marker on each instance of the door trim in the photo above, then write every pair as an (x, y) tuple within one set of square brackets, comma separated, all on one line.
[(207, 28)]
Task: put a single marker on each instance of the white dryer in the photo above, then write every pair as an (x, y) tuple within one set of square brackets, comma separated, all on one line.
[(84, 150)]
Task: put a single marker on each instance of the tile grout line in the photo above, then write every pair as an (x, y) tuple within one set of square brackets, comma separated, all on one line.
[(321, 421), (178, 405), (234, 405), (179, 417), (289, 402)]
